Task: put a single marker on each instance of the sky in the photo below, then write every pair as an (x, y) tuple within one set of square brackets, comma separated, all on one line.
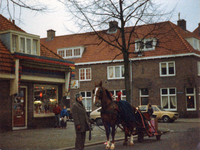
[(59, 20)]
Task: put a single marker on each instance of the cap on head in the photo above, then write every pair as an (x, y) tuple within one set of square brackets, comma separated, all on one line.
[(78, 95)]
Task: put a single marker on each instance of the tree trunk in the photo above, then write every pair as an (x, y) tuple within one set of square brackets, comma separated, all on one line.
[(127, 76)]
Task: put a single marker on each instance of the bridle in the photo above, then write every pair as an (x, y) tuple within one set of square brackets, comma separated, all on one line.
[(98, 103)]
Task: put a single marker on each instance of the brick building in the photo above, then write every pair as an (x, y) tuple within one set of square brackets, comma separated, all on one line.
[(165, 72), (32, 77)]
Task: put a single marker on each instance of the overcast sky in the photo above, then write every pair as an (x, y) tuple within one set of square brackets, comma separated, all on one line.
[(57, 19)]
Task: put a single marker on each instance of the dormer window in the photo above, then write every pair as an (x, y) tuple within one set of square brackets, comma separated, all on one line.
[(75, 52), (194, 42), (22, 42), (145, 44)]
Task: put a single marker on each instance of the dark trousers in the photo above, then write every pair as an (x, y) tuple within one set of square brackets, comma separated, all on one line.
[(80, 141)]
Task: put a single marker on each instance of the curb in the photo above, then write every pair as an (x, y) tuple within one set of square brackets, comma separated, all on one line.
[(101, 142)]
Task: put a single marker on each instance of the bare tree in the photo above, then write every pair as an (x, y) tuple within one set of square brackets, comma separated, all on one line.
[(13, 7), (96, 14)]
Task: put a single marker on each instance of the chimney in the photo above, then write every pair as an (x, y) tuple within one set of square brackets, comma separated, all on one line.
[(50, 34), (182, 23), (113, 25)]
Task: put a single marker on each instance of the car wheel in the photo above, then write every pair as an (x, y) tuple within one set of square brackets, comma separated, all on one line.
[(166, 119), (99, 122)]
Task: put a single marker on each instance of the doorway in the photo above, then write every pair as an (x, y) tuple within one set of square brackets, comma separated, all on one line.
[(20, 110)]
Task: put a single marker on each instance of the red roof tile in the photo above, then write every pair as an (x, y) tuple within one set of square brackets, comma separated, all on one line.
[(6, 60), (6, 24), (171, 41)]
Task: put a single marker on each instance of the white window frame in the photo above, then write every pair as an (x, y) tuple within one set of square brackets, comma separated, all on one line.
[(85, 74), (73, 50), (63, 53), (145, 96), (193, 94), (85, 99), (114, 75), (144, 41), (167, 68), (198, 68), (168, 95)]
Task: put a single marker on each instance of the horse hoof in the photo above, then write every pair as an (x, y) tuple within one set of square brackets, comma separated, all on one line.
[(107, 147), (112, 146), (131, 144)]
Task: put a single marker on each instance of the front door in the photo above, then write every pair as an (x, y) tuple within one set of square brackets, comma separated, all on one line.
[(19, 110)]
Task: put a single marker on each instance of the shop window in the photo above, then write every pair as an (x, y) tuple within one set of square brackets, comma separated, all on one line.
[(45, 98), (168, 98), (191, 99)]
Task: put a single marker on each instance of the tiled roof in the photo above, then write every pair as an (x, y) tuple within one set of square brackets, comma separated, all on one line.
[(6, 60), (171, 41), (44, 51), (6, 24)]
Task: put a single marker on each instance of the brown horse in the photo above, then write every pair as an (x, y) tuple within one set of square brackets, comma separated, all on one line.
[(111, 115)]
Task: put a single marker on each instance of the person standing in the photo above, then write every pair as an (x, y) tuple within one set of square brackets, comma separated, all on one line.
[(150, 110), (64, 116), (56, 111), (81, 122)]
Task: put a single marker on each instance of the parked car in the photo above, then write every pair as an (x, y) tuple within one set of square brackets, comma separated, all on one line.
[(96, 116), (166, 116)]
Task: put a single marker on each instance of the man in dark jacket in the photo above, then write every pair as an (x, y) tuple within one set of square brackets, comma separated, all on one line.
[(81, 122)]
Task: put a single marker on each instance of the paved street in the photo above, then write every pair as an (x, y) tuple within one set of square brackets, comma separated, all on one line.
[(63, 139)]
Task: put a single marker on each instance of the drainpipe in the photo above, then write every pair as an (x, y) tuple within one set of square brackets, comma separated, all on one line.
[(14, 83), (131, 75)]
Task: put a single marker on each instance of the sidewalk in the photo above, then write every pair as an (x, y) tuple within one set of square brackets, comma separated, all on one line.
[(54, 138)]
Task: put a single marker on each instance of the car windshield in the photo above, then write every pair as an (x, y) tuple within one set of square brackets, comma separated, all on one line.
[(161, 108)]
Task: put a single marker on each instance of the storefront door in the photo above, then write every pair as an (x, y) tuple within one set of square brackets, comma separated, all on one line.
[(19, 110)]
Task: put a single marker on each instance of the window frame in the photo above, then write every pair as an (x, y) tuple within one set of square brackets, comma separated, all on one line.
[(121, 75), (193, 94), (168, 95), (143, 96), (198, 68), (85, 100), (25, 36), (114, 94), (167, 69), (143, 42), (85, 74), (73, 53)]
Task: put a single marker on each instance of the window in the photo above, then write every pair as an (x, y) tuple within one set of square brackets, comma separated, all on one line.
[(28, 42), (61, 53), (168, 98), (145, 44), (45, 98), (75, 52), (85, 74), (167, 69), (87, 100), (68, 52), (22, 45), (35, 47), (14, 43), (191, 99), (115, 72), (198, 68), (114, 94), (144, 96)]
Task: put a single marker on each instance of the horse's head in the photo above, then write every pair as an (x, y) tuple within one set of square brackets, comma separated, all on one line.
[(98, 94)]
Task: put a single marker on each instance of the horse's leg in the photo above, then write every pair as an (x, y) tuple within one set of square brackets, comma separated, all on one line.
[(131, 138), (107, 127), (126, 135), (113, 138)]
